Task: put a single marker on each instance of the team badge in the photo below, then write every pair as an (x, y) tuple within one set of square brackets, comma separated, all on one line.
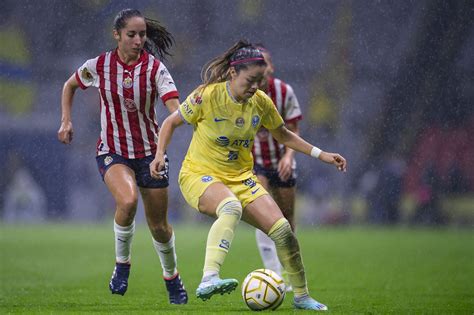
[(127, 82), (239, 122), (206, 179), (255, 121), (86, 75), (196, 99), (108, 160), (130, 105)]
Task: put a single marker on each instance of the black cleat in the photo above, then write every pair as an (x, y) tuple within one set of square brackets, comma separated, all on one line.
[(119, 282), (176, 291)]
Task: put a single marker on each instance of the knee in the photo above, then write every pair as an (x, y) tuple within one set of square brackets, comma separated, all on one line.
[(127, 207), (281, 232), (230, 206)]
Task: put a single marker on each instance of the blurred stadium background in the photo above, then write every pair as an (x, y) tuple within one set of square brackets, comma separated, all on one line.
[(387, 84)]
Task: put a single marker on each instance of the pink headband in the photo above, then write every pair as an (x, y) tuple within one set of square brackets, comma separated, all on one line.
[(237, 62)]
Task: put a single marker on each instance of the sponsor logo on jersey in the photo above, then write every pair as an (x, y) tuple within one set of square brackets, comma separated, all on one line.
[(255, 121), (242, 143), (127, 82), (130, 105), (108, 159), (223, 141), (187, 109), (239, 122), (206, 178)]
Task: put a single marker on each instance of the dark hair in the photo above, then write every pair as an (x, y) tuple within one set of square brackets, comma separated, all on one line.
[(239, 56), (262, 48), (158, 41)]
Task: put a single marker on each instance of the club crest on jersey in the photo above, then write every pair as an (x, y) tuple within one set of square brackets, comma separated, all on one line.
[(255, 121), (206, 178), (130, 105), (127, 82), (108, 159), (239, 122)]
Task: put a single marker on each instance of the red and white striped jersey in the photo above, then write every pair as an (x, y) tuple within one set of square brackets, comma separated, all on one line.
[(267, 152), (127, 101)]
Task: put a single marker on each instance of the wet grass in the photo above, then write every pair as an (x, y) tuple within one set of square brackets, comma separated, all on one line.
[(58, 268)]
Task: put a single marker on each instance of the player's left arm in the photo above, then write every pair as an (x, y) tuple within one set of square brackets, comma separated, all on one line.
[(292, 140)]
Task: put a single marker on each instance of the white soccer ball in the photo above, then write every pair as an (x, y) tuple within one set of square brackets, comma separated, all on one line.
[(263, 289)]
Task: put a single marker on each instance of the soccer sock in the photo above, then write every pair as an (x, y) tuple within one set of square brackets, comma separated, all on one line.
[(268, 252), (288, 251), (167, 254), (123, 242), (220, 236)]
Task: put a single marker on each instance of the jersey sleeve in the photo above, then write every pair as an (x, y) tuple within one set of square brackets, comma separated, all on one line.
[(191, 109), (292, 106), (272, 118), (86, 75), (165, 84)]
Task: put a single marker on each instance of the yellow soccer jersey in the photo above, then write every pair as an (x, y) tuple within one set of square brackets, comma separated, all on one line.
[(224, 130)]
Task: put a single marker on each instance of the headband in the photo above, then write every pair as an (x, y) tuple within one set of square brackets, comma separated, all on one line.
[(237, 62)]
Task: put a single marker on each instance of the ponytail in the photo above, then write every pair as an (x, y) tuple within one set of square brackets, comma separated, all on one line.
[(239, 56), (159, 40)]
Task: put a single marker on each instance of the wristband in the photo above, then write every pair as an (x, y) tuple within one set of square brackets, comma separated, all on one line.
[(315, 152)]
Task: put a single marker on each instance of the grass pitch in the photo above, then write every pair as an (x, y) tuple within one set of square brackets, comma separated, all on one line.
[(66, 268)]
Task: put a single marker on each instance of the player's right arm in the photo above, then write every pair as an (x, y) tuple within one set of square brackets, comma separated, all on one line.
[(66, 131)]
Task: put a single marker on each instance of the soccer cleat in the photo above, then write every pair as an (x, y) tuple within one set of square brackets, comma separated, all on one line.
[(215, 285), (308, 303), (119, 282), (176, 291)]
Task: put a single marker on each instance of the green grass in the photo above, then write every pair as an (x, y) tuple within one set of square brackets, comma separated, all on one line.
[(66, 269)]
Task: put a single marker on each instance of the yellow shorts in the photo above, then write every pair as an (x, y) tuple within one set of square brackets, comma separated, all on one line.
[(193, 185)]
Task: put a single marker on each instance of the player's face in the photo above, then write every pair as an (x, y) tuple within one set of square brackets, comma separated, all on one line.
[(245, 83), (268, 71), (132, 37)]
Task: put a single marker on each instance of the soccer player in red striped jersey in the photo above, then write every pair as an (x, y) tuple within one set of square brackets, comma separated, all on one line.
[(275, 165), (129, 80)]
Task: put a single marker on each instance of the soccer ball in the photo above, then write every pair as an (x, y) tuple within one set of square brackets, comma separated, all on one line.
[(263, 289)]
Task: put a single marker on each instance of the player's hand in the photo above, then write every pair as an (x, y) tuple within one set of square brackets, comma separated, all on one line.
[(157, 166), (284, 167), (65, 132), (334, 158)]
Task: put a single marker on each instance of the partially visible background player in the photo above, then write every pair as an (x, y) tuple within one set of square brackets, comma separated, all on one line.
[(129, 79), (275, 165), (217, 178)]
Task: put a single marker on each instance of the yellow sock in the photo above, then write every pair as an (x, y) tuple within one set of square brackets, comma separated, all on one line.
[(288, 251), (220, 236)]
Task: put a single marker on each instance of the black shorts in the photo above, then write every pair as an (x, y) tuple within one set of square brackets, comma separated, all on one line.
[(274, 179), (141, 167)]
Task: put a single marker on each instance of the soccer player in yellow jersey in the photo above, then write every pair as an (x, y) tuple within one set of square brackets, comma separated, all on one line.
[(216, 177)]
